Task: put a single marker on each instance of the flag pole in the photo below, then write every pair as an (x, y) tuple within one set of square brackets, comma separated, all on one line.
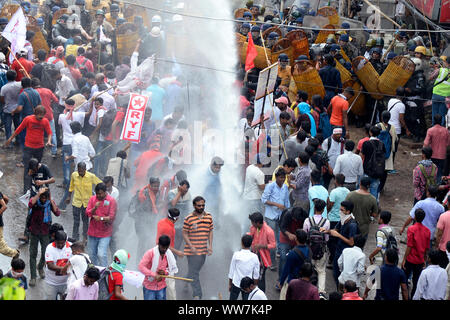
[(10, 52)]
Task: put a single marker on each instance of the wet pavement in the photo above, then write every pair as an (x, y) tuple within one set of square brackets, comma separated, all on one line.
[(396, 198)]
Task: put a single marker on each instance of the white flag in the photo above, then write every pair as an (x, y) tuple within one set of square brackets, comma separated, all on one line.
[(102, 38), (16, 31)]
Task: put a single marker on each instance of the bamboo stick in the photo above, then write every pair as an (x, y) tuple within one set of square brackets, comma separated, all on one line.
[(176, 278)]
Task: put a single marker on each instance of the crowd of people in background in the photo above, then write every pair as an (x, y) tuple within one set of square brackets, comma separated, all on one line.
[(309, 192)]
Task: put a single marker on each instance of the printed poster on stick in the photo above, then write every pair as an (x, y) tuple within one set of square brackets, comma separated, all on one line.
[(134, 119)]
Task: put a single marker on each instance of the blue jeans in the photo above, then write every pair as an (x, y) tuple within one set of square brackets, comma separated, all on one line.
[(66, 151), (9, 120), (101, 159), (275, 225), (284, 250), (154, 294), (374, 184), (98, 250), (52, 126), (438, 106)]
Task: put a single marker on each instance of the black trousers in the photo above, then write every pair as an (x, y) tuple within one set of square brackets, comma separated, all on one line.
[(29, 153), (416, 270), (235, 291)]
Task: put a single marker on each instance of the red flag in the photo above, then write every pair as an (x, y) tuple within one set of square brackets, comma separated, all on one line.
[(251, 54)]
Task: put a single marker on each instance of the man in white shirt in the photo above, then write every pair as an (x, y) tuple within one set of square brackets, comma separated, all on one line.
[(254, 187), (63, 87), (319, 223), (244, 263), (254, 293), (350, 165), (108, 100), (396, 108), (432, 284), (82, 149), (65, 119), (351, 263), (334, 147), (57, 255)]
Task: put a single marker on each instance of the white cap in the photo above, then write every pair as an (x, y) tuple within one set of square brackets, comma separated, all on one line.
[(156, 19), (2, 57), (155, 32), (177, 17), (23, 51)]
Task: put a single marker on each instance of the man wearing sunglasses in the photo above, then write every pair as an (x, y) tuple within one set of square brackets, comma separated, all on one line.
[(198, 235)]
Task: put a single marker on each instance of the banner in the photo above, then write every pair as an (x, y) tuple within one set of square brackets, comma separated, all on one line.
[(15, 32), (134, 119)]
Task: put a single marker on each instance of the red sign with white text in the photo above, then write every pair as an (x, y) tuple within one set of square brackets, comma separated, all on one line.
[(132, 126)]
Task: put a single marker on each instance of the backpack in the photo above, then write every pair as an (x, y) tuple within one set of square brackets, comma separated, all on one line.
[(341, 142), (376, 163), (103, 285), (47, 80), (82, 66), (324, 125), (314, 279), (316, 238), (386, 138), (430, 180), (391, 242)]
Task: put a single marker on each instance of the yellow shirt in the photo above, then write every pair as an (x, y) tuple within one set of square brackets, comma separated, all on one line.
[(286, 181), (82, 187)]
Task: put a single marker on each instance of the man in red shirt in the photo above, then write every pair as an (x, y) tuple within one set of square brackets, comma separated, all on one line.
[(417, 246), (338, 111), (166, 227), (82, 62), (438, 138), (35, 126), (116, 270), (102, 211), (24, 66), (47, 97), (350, 291)]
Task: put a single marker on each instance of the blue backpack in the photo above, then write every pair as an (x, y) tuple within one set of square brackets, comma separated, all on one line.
[(386, 138), (324, 125)]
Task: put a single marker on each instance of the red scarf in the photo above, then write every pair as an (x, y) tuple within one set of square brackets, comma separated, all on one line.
[(96, 113), (151, 195)]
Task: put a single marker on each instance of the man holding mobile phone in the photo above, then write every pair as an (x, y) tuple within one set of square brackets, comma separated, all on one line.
[(102, 210)]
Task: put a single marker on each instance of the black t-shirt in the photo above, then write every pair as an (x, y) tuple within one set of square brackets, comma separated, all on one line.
[(1, 215), (368, 148), (43, 173)]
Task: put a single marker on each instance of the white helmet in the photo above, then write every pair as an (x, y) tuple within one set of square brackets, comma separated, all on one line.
[(2, 57), (418, 63), (156, 19), (155, 32), (177, 17)]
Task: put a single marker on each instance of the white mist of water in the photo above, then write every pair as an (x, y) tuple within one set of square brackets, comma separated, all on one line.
[(206, 57)]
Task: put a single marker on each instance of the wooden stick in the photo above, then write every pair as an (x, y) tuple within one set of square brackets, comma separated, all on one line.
[(388, 49), (177, 278), (28, 75), (264, 46), (95, 96)]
